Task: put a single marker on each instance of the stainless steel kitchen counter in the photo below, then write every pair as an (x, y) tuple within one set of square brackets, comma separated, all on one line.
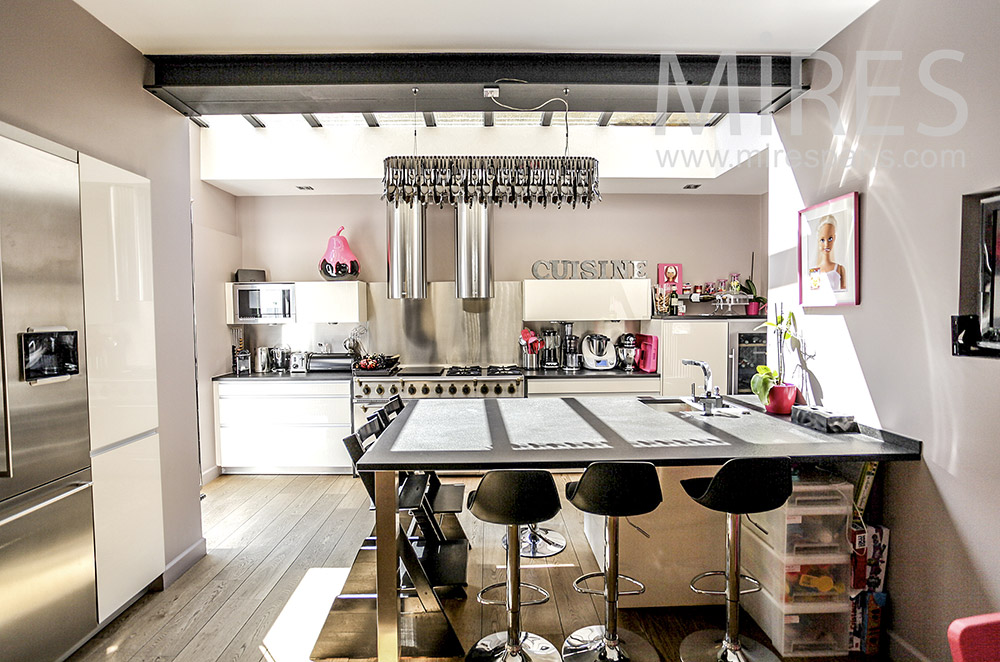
[(285, 377)]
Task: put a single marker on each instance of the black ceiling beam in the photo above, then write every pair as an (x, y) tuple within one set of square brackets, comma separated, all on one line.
[(312, 120), (254, 121), (370, 119), (429, 120), (200, 122), (547, 118), (488, 118), (605, 119), (481, 68)]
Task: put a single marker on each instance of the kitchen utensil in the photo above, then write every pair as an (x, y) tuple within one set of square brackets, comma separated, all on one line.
[(279, 358), (298, 362), (598, 352), (571, 353)]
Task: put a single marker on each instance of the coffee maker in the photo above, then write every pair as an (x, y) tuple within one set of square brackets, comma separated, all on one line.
[(571, 353), (550, 349)]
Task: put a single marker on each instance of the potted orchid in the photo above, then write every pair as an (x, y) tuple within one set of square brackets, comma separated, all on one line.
[(769, 384)]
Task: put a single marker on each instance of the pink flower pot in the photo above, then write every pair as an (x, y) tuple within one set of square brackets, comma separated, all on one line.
[(753, 308), (780, 398)]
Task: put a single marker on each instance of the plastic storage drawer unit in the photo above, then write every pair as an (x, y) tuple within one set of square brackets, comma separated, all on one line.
[(797, 578), (813, 521), (801, 630)]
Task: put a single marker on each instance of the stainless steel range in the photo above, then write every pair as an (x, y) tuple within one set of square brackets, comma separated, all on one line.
[(371, 392)]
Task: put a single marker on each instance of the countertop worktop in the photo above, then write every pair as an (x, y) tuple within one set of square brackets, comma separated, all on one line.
[(706, 317), (285, 377), (559, 373), (572, 432)]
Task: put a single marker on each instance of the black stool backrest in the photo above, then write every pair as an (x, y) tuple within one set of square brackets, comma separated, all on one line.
[(355, 448), (370, 431), (617, 489), (515, 496), (745, 485), (389, 411)]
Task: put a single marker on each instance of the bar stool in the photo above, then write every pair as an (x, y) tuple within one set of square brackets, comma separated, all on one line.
[(537, 542), (614, 490), (514, 498), (741, 486)]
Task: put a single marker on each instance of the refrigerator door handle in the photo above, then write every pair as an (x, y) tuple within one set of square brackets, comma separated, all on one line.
[(73, 489), (7, 470)]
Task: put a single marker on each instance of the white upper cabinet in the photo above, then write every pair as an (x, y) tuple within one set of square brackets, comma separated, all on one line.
[(320, 302), (118, 296), (587, 300)]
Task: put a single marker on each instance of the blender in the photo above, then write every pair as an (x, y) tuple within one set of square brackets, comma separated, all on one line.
[(627, 351), (550, 349), (571, 353)]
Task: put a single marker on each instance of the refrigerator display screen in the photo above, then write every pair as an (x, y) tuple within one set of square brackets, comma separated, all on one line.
[(46, 354)]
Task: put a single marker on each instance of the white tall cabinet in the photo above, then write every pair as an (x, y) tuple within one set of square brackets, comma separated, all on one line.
[(121, 380), (702, 340)]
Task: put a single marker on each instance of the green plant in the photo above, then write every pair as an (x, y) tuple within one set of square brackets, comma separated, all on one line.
[(748, 287), (785, 329), (762, 382)]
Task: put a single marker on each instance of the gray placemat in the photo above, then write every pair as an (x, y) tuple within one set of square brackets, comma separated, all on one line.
[(644, 427), (546, 423), (439, 425)]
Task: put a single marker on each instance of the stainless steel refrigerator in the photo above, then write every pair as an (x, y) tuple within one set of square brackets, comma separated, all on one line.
[(48, 598)]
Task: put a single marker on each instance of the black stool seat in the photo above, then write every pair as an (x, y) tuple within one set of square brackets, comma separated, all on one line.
[(515, 497), (744, 485), (616, 489)]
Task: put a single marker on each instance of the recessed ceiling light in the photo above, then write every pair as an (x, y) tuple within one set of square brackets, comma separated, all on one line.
[(691, 186), (305, 188)]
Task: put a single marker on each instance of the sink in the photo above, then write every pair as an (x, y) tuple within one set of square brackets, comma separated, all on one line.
[(670, 405)]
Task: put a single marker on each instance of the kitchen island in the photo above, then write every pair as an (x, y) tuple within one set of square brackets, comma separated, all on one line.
[(570, 433)]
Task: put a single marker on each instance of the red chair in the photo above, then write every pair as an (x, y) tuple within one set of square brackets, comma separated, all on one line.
[(975, 638)]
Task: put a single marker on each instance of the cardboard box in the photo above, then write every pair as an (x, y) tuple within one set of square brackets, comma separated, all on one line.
[(877, 547), (859, 556), (866, 622)]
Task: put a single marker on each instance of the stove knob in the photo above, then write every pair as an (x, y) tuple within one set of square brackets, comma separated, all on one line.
[(498, 389), (367, 389), (452, 390), (438, 389), (511, 389), (413, 389), (466, 390), (426, 389), (379, 389), (485, 389), (392, 390)]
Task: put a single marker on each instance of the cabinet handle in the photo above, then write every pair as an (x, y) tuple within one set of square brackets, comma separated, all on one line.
[(75, 487)]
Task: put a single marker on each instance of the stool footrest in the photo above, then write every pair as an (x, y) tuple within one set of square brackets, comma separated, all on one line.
[(525, 603), (716, 573), (579, 588)]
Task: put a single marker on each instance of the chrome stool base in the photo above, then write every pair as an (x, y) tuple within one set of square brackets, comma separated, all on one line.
[(493, 648), (706, 646), (539, 543), (588, 645)]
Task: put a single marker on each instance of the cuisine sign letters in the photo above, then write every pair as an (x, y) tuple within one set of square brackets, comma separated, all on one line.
[(586, 269)]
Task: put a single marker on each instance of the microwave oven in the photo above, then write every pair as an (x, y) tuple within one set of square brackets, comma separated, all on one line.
[(263, 303)]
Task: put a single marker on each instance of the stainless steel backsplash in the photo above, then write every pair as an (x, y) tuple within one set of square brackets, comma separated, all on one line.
[(440, 329), (443, 329)]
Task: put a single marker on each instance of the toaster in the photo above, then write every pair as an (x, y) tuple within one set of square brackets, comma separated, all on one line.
[(646, 350), (298, 362)]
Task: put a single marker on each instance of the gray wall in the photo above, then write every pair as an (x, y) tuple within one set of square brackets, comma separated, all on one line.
[(65, 76), (710, 235), (944, 512)]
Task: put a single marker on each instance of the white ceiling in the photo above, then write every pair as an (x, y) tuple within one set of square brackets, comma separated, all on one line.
[(323, 26)]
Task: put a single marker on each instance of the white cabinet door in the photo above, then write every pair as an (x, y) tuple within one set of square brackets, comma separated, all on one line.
[(702, 341), (128, 521), (571, 386), (330, 302), (586, 300), (118, 295)]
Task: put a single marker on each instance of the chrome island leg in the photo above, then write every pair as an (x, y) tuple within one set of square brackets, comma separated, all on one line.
[(387, 565)]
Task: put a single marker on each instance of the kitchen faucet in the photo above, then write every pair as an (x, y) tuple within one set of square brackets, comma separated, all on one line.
[(710, 398)]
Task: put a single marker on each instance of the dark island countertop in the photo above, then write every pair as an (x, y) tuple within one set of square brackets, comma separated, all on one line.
[(285, 377), (587, 374), (573, 432)]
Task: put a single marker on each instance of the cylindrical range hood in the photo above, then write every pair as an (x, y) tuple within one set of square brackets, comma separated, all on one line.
[(473, 250), (406, 234)]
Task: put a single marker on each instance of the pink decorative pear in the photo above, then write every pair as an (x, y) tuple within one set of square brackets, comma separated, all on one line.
[(339, 262)]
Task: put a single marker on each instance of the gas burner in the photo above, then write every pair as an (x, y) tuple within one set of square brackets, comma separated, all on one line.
[(464, 371), (503, 371)]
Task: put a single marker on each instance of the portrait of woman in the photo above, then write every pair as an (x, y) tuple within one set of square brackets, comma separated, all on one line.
[(668, 274), (828, 253)]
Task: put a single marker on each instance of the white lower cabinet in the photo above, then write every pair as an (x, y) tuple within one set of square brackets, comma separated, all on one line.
[(283, 427), (555, 387), (128, 521)]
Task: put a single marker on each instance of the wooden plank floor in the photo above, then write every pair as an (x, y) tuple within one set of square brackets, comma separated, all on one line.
[(265, 532)]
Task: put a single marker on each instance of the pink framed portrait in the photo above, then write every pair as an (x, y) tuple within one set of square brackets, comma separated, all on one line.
[(829, 242), (669, 274)]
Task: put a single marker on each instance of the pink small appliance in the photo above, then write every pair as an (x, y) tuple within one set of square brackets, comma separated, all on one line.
[(645, 358)]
